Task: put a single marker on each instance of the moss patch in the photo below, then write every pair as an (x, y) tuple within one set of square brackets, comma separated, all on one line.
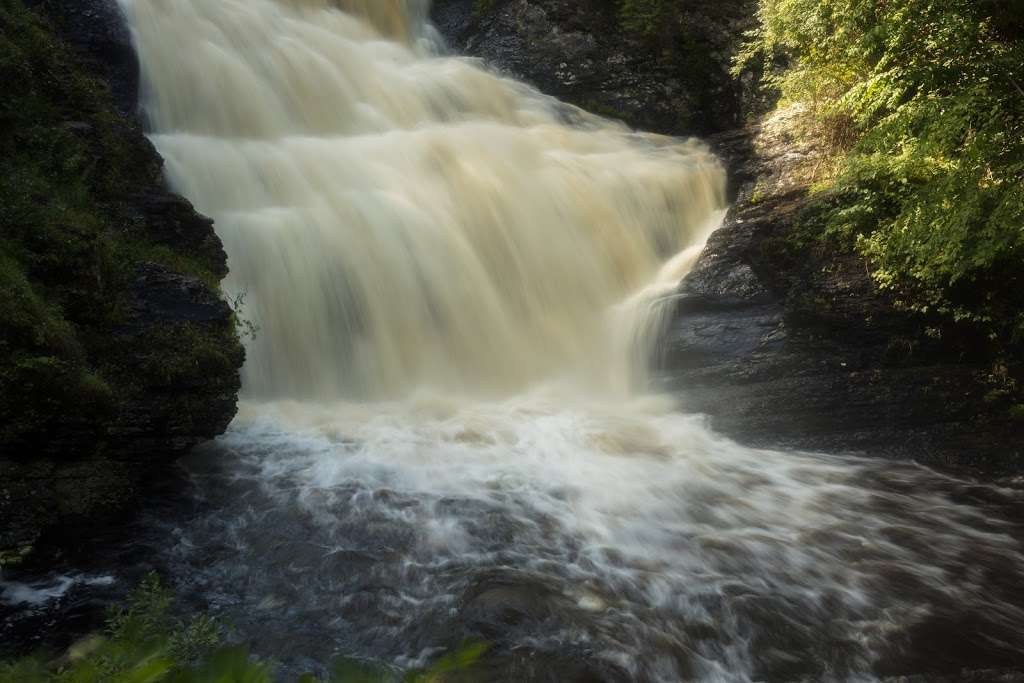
[(71, 245)]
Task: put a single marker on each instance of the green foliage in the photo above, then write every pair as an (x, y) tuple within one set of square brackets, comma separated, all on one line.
[(922, 99), (145, 643), (643, 16)]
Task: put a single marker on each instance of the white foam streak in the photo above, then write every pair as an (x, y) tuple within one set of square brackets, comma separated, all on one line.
[(456, 293), (38, 594), (637, 512), (398, 219)]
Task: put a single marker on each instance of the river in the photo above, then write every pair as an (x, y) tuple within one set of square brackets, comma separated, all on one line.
[(447, 431)]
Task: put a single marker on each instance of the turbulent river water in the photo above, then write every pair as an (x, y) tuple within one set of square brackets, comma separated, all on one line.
[(446, 432)]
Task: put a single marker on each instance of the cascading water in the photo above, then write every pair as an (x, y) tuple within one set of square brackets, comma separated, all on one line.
[(445, 434), (396, 220)]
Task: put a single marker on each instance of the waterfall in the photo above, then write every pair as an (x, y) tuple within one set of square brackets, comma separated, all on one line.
[(455, 282), (395, 219)]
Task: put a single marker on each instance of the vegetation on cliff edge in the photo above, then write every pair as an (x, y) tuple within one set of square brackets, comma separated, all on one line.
[(922, 105)]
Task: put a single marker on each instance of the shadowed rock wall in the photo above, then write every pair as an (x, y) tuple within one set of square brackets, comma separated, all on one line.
[(117, 351)]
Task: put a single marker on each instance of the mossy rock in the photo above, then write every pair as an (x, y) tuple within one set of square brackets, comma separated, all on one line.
[(116, 345)]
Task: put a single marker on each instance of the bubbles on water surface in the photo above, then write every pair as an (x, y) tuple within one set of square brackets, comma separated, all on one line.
[(450, 275), (674, 554)]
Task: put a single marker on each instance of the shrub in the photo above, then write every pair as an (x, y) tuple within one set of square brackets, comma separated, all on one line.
[(145, 643), (931, 185)]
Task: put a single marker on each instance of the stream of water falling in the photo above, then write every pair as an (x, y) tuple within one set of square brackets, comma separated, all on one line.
[(445, 433)]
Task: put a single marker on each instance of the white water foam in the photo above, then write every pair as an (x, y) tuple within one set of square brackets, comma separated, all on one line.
[(451, 274)]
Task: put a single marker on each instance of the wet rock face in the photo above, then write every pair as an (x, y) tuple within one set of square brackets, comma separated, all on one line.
[(149, 328), (779, 347), (98, 30), (793, 346), (674, 80)]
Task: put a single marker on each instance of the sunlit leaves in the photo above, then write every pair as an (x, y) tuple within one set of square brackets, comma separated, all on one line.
[(932, 181)]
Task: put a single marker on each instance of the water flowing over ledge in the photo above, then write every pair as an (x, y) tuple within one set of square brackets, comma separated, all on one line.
[(396, 218), (455, 281)]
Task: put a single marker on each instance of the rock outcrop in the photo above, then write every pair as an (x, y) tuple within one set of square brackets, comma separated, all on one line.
[(670, 79), (97, 31), (117, 351)]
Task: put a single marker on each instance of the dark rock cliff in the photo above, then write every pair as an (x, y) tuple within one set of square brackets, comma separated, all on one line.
[(788, 344), (117, 350), (779, 345), (673, 78)]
